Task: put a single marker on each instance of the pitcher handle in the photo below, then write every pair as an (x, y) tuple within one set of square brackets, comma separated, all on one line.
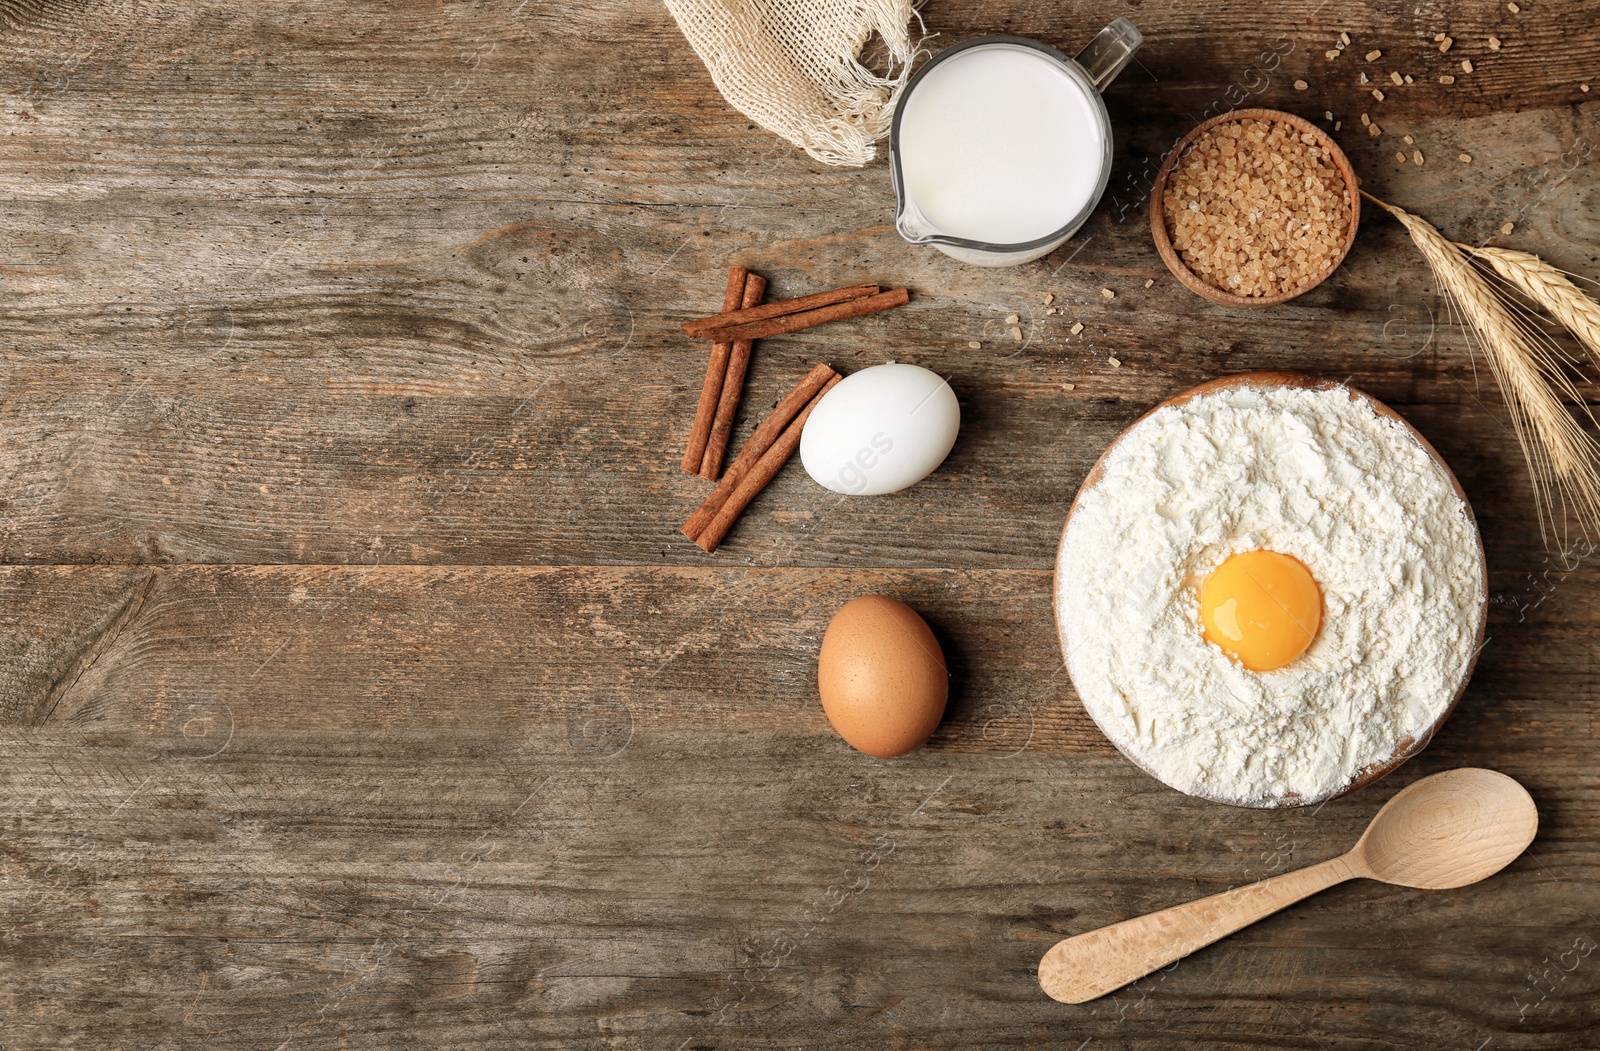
[(1109, 51)]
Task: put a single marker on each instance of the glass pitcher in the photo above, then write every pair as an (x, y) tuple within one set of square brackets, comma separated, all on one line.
[(1089, 155)]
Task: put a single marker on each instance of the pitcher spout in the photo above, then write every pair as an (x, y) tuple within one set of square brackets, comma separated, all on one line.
[(913, 225)]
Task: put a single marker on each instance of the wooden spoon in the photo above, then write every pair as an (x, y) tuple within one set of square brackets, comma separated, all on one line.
[(1447, 830)]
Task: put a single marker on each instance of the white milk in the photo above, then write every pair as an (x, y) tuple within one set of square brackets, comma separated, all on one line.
[(1000, 144)]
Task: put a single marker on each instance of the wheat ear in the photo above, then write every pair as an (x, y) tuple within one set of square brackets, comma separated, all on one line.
[(1561, 455), (1548, 286)]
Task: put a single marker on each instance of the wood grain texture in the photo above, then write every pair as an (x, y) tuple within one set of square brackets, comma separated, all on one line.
[(357, 690)]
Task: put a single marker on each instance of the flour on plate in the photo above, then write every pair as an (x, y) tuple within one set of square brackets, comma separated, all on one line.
[(1318, 475)]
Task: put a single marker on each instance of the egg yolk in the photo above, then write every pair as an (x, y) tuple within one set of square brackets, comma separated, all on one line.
[(1262, 608)]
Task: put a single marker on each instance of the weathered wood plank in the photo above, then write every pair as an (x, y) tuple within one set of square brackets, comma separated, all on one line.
[(517, 892), (476, 651), (581, 473)]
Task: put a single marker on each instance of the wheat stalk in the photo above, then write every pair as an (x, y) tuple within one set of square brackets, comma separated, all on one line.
[(1562, 456), (1548, 286)]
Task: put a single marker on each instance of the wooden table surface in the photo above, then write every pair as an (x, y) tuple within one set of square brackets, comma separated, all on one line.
[(358, 691)]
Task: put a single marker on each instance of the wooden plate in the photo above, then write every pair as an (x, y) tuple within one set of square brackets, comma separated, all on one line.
[(1404, 749), (1158, 217)]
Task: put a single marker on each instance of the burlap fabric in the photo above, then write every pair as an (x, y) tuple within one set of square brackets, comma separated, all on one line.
[(794, 66)]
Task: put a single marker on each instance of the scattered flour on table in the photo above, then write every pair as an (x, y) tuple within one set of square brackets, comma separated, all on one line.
[(1314, 474)]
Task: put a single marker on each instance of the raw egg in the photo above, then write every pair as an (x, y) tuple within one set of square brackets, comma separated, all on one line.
[(1263, 608), (882, 676), (880, 430)]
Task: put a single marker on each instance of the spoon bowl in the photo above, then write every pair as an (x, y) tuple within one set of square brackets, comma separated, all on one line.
[(1448, 830)]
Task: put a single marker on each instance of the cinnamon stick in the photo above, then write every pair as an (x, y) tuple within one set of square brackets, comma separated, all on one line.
[(755, 289), (710, 394), (757, 444), (781, 326), (730, 316), (759, 474)]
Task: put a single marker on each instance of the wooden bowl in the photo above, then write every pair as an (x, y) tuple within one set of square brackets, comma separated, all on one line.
[(1405, 748), (1158, 216)]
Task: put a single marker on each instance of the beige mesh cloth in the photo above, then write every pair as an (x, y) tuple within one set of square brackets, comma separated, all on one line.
[(794, 66)]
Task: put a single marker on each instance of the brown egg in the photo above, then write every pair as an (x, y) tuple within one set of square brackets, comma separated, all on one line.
[(882, 677)]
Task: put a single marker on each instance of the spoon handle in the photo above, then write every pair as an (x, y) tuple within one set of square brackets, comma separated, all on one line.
[(1095, 963)]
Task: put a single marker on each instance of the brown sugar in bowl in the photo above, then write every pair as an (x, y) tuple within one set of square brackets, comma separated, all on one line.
[(1158, 218)]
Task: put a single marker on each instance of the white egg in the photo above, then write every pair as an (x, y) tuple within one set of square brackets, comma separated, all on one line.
[(880, 430)]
